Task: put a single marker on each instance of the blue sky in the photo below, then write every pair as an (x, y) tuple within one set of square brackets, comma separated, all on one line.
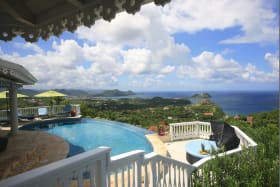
[(185, 45)]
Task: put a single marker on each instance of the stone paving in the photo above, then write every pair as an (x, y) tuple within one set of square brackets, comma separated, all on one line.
[(28, 150)]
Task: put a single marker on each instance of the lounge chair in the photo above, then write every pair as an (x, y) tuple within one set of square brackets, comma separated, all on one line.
[(26, 117), (43, 112), (66, 111)]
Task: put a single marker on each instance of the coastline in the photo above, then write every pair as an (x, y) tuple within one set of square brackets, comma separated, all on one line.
[(231, 102)]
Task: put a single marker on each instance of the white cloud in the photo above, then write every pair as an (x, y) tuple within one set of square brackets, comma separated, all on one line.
[(212, 67), (273, 60), (137, 61), (70, 65), (124, 29), (168, 69), (28, 46), (145, 45), (257, 22)]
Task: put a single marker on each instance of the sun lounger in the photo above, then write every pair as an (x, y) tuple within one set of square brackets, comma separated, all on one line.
[(27, 117), (66, 111)]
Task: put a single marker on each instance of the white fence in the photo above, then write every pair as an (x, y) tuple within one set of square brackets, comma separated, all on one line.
[(133, 169), (52, 110), (197, 129), (187, 130), (96, 169)]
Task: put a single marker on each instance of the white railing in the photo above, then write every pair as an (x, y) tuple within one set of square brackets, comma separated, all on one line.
[(245, 140), (95, 168), (52, 110), (3, 115), (87, 167), (133, 169), (187, 130), (197, 129), (162, 171)]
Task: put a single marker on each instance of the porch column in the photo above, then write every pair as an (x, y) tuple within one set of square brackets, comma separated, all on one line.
[(13, 108)]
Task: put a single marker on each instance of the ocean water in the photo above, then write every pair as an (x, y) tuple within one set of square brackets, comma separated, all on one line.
[(232, 102)]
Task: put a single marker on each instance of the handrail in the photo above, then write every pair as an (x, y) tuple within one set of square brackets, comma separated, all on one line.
[(244, 139), (96, 168), (194, 129), (52, 110), (64, 171), (197, 129)]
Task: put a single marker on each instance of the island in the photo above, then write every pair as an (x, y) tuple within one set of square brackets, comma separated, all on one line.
[(201, 96), (114, 93)]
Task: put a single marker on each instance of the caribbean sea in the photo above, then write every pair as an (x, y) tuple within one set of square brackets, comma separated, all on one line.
[(232, 102)]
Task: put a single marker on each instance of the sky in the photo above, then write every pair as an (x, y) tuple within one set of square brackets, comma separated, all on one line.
[(186, 45)]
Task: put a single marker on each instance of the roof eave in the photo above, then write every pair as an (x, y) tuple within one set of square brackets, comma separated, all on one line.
[(16, 73)]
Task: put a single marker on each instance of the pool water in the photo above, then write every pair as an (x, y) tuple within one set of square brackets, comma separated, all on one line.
[(193, 147), (92, 133)]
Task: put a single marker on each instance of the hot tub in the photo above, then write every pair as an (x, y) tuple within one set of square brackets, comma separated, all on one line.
[(193, 149)]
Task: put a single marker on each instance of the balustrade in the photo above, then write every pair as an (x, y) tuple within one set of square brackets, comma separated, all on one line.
[(189, 130), (197, 129), (52, 110), (3, 115)]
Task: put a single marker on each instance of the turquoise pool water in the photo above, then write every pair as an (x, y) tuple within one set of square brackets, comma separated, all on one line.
[(92, 133)]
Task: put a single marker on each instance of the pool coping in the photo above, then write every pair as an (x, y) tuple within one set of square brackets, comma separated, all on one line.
[(158, 146)]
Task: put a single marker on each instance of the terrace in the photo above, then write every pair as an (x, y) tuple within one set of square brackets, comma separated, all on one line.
[(98, 168)]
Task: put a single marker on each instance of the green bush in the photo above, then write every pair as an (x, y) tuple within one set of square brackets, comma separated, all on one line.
[(250, 167)]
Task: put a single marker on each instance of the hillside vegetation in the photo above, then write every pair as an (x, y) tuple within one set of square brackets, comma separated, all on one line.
[(147, 112), (252, 167)]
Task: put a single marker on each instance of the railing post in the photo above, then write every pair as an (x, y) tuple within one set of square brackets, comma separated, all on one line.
[(171, 132), (153, 165), (139, 170), (198, 126), (101, 171)]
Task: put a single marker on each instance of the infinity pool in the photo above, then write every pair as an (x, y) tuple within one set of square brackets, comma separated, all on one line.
[(89, 134)]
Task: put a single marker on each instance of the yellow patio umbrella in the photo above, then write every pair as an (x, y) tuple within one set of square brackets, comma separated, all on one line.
[(3, 95), (50, 93)]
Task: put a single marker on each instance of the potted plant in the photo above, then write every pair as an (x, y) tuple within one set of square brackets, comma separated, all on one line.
[(203, 151), (161, 131), (73, 113)]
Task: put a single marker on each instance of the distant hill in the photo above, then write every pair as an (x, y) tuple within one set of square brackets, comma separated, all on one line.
[(68, 92), (74, 92), (81, 93), (114, 93), (28, 92), (201, 96)]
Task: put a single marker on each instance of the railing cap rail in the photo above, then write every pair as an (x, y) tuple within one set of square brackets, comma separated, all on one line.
[(44, 172), (252, 143), (190, 122)]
